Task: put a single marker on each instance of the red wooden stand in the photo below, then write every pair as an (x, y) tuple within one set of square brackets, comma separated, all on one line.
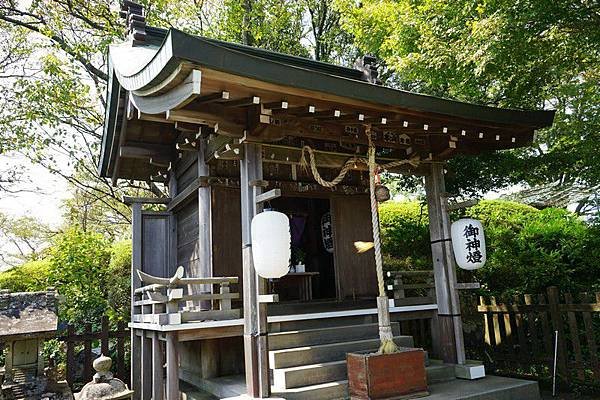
[(394, 376)]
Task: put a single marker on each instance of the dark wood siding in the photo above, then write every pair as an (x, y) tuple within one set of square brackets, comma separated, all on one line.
[(352, 222), (155, 240), (187, 237), (186, 170), (227, 232)]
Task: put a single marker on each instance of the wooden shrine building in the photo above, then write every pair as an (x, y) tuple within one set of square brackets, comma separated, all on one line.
[(231, 130)]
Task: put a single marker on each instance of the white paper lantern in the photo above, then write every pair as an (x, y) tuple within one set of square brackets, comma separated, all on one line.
[(468, 243), (271, 244)]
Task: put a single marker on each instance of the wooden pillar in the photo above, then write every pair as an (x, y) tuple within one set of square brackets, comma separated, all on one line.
[(172, 366), (204, 226), (255, 313), (450, 335), (158, 387), (173, 191), (136, 364), (146, 367), (136, 262)]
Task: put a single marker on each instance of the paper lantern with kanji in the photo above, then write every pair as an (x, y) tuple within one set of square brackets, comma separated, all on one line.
[(468, 243), (271, 244)]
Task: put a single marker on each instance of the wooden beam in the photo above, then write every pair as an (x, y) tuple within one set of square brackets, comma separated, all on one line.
[(276, 105), (212, 97), (160, 162), (144, 151), (323, 130), (189, 192), (187, 127), (243, 102), (462, 204), (268, 196), (145, 200)]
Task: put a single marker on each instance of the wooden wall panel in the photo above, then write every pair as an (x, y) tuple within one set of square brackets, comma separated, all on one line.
[(155, 243), (186, 170), (227, 233), (187, 238), (356, 274)]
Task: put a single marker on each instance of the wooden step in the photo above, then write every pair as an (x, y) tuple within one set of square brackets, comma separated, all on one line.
[(293, 377), (311, 337), (327, 352)]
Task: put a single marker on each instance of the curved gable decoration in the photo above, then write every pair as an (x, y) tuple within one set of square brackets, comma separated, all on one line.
[(176, 98)]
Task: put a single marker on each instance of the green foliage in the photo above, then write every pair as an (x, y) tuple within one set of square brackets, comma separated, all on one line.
[(405, 235), (32, 276), (525, 54), (91, 275), (270, 24), (79, 263), (528, 249), (118, 281)]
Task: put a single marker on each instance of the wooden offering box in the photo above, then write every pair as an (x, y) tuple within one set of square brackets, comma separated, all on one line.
[(387, 376)]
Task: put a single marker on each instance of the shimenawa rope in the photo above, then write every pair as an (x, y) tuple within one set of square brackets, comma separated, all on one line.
[(386, 334)]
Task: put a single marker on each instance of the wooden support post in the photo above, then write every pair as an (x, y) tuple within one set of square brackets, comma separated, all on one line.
[(172, 366), (146, 367), (450, 337), (205, 229), (158, 387), (173, 191), (136, 262), (255, 315)]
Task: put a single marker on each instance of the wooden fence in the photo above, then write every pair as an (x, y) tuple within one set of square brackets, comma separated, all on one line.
[(112, 343), (411, 287), (521, 333)]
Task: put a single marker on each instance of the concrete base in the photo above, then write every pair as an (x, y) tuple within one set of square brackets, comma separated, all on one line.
[(246, 397), (488, 388), (471, 370)]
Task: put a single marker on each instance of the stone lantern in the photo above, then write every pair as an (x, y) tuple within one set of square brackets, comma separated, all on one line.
[(104, 386)]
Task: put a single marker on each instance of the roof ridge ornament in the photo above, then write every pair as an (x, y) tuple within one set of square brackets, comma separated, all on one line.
[(133, 13), (369, 65)]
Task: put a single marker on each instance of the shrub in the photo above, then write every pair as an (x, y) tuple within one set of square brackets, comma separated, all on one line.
[(79, 262), (118, 279), (405, 235), (29, 277), (528, 249)]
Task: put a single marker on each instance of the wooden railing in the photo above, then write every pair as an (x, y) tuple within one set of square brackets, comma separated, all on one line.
[(522, 333), (87, 339), (411, 287), (160, 300)]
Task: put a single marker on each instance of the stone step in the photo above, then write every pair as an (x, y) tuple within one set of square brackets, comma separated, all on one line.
[(298, 356), (324, 391), (294, 377), (437, 373), (488, 388), (311, 337)]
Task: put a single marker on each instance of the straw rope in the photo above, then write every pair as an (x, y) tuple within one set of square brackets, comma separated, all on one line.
[(386, 334)]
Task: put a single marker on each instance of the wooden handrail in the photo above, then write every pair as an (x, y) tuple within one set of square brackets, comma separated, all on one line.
[(409, 273)]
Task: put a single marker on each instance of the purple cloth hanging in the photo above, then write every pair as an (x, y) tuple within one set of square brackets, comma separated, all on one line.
[(297, 224)]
